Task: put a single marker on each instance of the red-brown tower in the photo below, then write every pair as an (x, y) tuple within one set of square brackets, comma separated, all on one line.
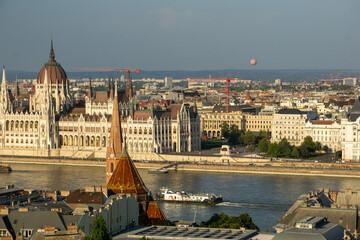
[(115, 148)]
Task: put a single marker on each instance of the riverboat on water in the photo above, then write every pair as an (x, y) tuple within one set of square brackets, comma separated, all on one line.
[(5, 168), (168, 195)]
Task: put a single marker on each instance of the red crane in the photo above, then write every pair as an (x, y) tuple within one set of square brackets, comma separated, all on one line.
[(129, 90), (219, 78)]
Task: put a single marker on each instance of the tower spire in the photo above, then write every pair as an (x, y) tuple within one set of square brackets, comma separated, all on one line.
[(17, 92), (115, 148), (3, 76), (90, 93), (52, 53)]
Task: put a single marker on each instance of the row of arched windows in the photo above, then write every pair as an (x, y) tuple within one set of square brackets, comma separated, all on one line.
[(21, 126), (87, 141)]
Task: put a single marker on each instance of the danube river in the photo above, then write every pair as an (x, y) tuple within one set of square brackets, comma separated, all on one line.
[(265, 197)]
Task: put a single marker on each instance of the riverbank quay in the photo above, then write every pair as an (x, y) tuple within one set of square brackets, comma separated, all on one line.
[(351, 170)]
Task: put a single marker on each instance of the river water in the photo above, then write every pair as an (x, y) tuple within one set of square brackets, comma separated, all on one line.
[(265, 197)]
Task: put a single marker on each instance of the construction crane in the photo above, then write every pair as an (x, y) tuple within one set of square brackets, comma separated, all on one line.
[(129, 90), (227, 91)]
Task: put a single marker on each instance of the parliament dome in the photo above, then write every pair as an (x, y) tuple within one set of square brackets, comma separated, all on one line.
[(55, 73)]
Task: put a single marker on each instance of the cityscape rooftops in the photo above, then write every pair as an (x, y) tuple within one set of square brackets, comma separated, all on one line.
[(289, 111)]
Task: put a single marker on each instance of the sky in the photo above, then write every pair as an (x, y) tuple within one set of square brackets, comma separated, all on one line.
[(160, 35)]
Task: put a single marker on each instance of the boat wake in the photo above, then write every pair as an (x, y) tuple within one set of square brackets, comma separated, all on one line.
[(264, 206)]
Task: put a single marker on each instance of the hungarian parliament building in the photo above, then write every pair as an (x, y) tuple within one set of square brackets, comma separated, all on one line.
[(50, 124)]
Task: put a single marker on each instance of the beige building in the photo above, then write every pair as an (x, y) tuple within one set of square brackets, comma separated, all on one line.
[(50, 126), (211, 122), (350, 134), (288, 123), (259, 122), (326, 132)]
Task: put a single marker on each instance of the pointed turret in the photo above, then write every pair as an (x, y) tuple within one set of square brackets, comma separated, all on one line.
[(115, 148), (111, 89), (195, 106), (52, 53), (3, 77), (131, 89), (17, 91), (4, 98), (90, 93), (152, 108)]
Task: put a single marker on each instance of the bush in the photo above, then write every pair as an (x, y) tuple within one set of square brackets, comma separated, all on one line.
[(224, 221)]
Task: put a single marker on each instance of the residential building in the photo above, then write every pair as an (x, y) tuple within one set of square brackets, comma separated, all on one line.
[(350, 134), (259, 122), (326, 132), (211, 122), (288, 123)]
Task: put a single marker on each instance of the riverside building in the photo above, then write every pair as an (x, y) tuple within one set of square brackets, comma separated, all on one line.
[(211, 122), (288, 123), (350, 134), (50, 124), (328, 133)]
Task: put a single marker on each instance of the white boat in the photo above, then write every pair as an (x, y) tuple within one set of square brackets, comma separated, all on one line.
[(166, 194)]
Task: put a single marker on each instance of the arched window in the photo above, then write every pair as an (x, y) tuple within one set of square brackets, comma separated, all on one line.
[(103, 142), (112, 167)]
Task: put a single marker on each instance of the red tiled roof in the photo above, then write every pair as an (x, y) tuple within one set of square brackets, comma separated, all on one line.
[(80, 196), (322, 122)]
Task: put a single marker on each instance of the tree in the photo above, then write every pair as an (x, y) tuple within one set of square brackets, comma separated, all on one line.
[(284, 145), (317, 146), (309, 144), (264, 134), (304, 152), (252, 148), (288, 152), (295, 153), (274, 149), (249, 138), (234, 134), (99, 230), (338, 154), (241, 139), (225, 131), (224, 221), (325, 148), (264, 145)]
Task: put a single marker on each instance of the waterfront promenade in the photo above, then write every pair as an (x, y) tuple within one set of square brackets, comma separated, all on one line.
[(252, 166)]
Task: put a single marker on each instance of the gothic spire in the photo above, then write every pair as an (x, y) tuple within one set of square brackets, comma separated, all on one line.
[(90, 93), (3, 76), (17, 92), (52, 53)]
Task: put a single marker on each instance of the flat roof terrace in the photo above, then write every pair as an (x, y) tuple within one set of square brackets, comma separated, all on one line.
[(172, 232)]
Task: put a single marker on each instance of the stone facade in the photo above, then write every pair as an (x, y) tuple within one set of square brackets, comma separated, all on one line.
[(51, 125), (259, 122), (288, 123), (350, 135), (326, 132), (211, 122)]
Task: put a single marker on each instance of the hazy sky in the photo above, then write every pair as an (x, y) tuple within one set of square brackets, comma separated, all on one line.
[(181, 34)]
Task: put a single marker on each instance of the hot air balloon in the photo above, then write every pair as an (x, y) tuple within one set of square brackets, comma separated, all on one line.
[(253, 61)]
